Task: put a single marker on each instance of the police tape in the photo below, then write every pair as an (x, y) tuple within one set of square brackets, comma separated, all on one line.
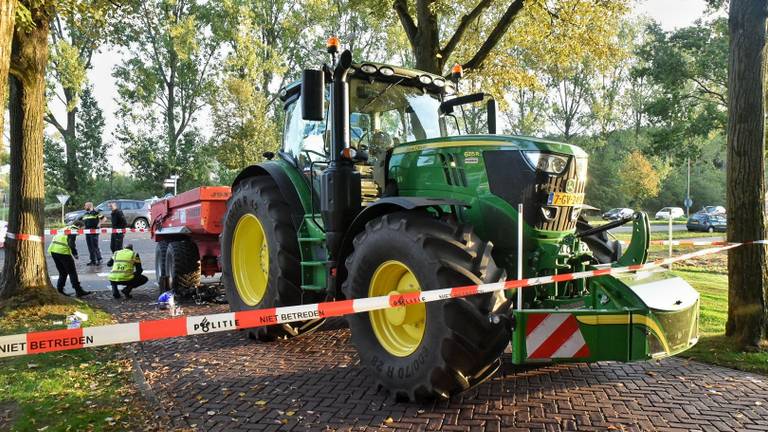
[(691, 242), (686, 242), (89, 337), (37, 238)]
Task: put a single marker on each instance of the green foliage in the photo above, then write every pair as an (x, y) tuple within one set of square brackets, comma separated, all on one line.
[(639, 180), (244, 128), (688, 68), (166, 80), (90, 164)]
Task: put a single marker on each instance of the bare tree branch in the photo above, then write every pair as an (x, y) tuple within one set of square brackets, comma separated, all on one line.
[(496, 34), (50, 119), (458, 35)]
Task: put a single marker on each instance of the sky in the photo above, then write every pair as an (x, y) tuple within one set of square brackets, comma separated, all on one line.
[(671, 14)]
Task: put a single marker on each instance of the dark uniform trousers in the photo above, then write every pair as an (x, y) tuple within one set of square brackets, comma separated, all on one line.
[(94, 253), (137, 281), (65, 264), (116, 242)]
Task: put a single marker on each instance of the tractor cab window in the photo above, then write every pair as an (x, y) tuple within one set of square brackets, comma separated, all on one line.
[(383, 114), (302, 139)]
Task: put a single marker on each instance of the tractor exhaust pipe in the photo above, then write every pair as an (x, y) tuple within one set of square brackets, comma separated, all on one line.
[(340, 199)]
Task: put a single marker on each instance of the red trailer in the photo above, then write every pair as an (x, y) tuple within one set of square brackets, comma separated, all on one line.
[(186, 230)]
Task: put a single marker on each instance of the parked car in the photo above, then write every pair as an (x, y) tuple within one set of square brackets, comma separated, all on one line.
[(707, 222), (618, 213), (665, 213), (136, 213), (712, 210)]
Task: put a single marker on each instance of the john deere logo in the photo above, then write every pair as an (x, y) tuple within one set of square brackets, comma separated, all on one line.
[(570, 186)]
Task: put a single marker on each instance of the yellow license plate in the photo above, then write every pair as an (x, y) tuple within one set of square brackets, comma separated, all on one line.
[(564, 199)]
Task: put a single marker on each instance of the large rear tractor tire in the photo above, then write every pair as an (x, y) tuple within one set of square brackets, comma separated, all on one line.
[(260, 256), (433, 350), (182, 267)]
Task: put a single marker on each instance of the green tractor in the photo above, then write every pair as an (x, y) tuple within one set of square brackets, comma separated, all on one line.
[(383, 186)]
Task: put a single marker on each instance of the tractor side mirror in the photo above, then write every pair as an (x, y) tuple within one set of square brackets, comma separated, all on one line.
[(312, 94)]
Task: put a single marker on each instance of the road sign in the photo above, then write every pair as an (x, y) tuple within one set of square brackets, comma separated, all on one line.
[(63, 200), (169, 183), (688, 202)]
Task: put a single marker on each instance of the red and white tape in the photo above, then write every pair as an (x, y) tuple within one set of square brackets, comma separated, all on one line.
[(37, 238), (60, 340), (95, 231)]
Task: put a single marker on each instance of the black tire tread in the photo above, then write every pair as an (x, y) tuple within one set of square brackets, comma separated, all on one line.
[(469, 345), (184, 259), (263, 191)]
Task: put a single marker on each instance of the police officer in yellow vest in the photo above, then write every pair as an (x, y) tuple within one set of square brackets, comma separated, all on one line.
[(64, 254), (126, 270)]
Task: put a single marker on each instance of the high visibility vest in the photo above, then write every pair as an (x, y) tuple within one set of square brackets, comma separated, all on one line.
[(59, 243), (123, 264)]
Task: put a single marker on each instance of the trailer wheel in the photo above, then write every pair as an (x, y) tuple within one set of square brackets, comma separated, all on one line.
[(260, 256), (182, 267), (433, 350), (161, 250)]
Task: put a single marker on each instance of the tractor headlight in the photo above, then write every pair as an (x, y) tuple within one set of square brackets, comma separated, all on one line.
[(425, 79), (439, 82), (550, 163), (368, 68), (386, 71)]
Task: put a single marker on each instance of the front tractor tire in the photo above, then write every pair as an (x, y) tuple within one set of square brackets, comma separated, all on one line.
[(434, 350), (260, 256)]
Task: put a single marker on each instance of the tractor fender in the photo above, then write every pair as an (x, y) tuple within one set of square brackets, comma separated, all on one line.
[(284, 185), (377, 209)]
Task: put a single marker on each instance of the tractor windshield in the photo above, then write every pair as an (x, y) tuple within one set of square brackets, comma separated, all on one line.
[(391, 113)]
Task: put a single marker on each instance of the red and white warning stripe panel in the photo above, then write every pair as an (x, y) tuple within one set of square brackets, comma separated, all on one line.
[(553, 336)]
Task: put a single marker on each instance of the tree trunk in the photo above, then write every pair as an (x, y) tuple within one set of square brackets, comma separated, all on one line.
[(25, 275), (426, 51), (747, 266), (72, 172), (170, 117), (7, 21)]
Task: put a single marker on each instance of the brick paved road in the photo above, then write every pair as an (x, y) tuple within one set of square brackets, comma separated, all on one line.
[(226, 382)]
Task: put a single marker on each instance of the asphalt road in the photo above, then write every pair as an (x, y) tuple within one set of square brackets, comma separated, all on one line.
[(654, 228), (95, 278)]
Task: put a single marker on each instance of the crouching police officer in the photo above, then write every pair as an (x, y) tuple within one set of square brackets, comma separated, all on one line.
[(64, 254), (126, 270)]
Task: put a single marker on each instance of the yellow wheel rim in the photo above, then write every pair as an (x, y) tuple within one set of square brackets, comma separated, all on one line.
[(399, 330), (250, 259)]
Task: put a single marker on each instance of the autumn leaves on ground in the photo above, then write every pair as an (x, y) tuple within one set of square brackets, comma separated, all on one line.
[(74, 390)]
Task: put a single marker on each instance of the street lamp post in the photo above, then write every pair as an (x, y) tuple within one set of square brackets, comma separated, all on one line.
[(688, 201)]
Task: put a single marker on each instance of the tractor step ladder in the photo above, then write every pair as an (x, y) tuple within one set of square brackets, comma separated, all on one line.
[(313, 255)]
